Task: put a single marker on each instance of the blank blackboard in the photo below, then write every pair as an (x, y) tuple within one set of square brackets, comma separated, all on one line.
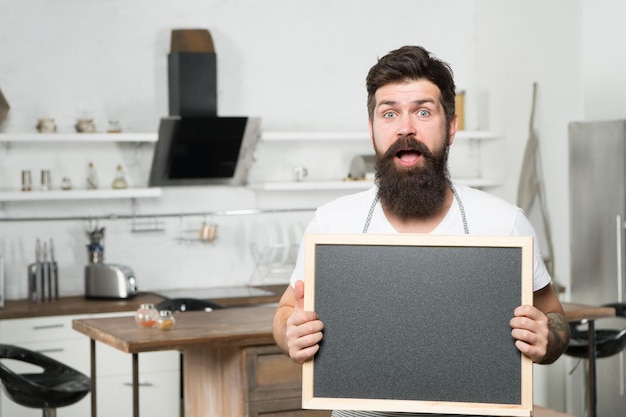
[(418, 323)]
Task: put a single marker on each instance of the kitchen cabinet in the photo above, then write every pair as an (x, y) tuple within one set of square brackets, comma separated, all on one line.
[(274, 385), (18, 151), (467, 161), (54, 336)]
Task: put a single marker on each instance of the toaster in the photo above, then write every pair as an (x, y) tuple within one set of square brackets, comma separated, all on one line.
[(109, 281)]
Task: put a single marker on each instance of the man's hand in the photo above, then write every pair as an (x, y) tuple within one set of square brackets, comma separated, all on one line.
[(530, 331), (303, 329), (541, 332)]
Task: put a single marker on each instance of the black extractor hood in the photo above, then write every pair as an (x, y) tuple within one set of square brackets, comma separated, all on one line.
[(195, 145)]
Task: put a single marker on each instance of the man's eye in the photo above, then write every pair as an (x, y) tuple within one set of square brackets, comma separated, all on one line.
[(423, 113), (388, 115)]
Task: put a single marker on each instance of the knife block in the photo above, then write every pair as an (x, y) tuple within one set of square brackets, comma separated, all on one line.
[(43, 284)]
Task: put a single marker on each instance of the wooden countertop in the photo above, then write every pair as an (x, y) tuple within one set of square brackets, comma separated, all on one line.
[(80, 305), (243, 326), (15, 309), (578, 312)]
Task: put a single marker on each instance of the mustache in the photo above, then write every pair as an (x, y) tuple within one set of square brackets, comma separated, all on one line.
[(407, 143)]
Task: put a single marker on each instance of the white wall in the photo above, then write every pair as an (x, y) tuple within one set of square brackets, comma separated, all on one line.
[(603, 65), (298, 66)]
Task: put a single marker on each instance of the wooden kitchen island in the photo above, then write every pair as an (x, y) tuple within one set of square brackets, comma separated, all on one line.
[(231, 365)]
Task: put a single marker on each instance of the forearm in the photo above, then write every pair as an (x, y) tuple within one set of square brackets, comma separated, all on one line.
[(558, 337)]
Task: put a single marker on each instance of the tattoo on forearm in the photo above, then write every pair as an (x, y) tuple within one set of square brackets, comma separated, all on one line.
[(558, 338)]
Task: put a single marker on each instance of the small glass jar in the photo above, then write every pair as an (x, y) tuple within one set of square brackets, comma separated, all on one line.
[(146, 316), (119, 181), (66, 184), (166, 320), (114, 127)]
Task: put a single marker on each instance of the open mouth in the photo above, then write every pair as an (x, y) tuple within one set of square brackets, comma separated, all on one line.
[(408, 156)]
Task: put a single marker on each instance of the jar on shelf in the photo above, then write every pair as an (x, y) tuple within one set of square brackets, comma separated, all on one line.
[(119, 182), (166, 320), (46, 125), (66, 183), (146, 316), (114, 127), (85, 125)]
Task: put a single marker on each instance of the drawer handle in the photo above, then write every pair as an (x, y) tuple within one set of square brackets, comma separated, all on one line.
[(141, 384), (48, 326)]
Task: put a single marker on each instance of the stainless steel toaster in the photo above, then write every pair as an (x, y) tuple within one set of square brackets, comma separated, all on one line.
[(109, 281)]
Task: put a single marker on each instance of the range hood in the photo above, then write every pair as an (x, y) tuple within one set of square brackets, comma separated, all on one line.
[(204, 150), (195, 145)]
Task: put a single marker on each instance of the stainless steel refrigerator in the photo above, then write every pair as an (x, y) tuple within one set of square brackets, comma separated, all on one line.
[(597, 182)]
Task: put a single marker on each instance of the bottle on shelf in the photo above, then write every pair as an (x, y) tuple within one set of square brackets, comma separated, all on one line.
[(26, 180), (92, 177), (119, 182)]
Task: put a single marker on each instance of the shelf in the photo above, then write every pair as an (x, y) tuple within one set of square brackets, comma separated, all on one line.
[(353, 185), (102, 194), (357, 136), (312, 185), (78, 137), (313, 136), (265, 136), (476, 135), (479, 182)]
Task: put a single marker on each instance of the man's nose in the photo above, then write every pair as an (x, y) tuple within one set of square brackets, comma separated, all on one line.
[(405, 126)]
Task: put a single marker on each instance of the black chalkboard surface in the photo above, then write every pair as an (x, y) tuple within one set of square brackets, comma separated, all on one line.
[(418, 323)]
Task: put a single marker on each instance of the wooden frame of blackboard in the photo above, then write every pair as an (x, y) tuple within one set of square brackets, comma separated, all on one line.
[(337, 254)]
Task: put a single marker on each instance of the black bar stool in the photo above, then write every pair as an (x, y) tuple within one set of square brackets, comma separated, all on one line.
[(57, 385), (608, 341), (592, 343)]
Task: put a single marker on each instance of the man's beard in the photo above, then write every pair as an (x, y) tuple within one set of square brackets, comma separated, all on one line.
[(418, 191)]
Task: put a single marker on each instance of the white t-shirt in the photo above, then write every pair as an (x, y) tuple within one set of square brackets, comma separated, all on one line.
[(486, 214)]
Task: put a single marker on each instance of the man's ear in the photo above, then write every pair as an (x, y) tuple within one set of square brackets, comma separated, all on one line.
[(454, 124), (371, 130)]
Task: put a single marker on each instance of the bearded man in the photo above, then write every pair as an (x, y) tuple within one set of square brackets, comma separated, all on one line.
[(412, 124)]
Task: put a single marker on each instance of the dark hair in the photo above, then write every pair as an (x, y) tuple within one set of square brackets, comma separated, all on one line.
[(411, 63)]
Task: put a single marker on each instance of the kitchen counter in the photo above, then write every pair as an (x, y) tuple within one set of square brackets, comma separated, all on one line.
[(579, 312), (231, 366), (228, 297), (234, 327)]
